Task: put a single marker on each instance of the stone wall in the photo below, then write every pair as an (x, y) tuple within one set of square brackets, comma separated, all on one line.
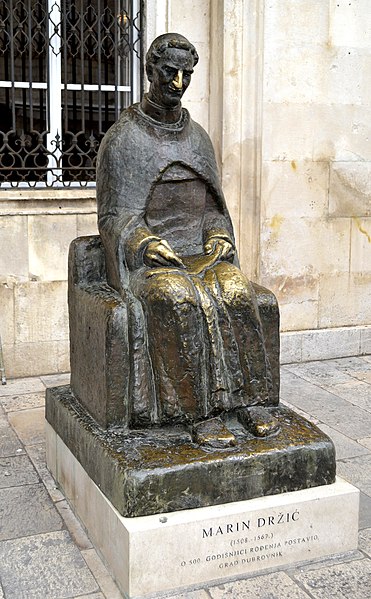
[(316, 152), (293, 133), (283, 87), (35, 231)]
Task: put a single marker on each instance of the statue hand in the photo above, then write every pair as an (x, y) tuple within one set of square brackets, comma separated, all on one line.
[(222, 248), (159, 253)]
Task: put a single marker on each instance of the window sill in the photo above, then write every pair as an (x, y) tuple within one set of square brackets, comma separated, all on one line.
[(21, 194)]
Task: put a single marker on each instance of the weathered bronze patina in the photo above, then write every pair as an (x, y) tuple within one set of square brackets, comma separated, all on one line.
[(162, 469), (174, 352), (198, 347)]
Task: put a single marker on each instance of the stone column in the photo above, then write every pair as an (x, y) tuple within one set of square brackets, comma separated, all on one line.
[(235, 123)]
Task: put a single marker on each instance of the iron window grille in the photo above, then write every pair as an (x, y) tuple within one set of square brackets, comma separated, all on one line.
[(67, 70)]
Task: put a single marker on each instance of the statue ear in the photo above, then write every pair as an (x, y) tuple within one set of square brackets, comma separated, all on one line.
[(149, 71)]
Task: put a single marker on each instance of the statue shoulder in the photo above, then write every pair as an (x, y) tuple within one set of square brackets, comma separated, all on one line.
[(204, 148), (202, 135), (122, 134)]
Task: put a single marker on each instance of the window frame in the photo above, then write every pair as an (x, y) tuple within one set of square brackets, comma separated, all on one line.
[(54, 87)]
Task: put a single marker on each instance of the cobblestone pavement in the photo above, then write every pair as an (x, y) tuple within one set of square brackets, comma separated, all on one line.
[(45, 554)]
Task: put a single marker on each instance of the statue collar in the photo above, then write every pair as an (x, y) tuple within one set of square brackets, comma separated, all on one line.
[(148, 111)]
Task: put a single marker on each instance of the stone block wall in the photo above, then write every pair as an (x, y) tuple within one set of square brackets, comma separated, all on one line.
[(35, 234), (316, 151), (283, 87)]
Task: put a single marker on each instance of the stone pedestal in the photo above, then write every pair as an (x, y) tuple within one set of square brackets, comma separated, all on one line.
[(178, 550)]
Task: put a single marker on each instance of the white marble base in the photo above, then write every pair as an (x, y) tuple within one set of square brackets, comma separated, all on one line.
[(325, 344), (153, 554)]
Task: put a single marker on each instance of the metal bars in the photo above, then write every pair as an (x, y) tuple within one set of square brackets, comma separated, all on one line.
[(67, 69)]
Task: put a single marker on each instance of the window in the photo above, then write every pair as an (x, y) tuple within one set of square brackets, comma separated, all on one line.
[(67, 69)]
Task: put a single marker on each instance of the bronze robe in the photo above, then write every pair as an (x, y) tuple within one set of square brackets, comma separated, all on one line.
[(194, 335)]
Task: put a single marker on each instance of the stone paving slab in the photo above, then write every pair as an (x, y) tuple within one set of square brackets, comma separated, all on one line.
[(328, 562), (17, 470), (323, 391), (29, 425), (329, 408), (332, 372), (351, 421), (27, 510), (55, 380), (322, 374), (364, 376), (9, 442), (341, 581), (91, 596), (270, 586), (366, 442), (304, 395), (364, 511), (356, 392), (301, 412), (13, 403), (38, 458), (46, 566), (357, 471), (365, 541), (345, 447), (20, 386), (357, 367), (191, 595), (351, 364)]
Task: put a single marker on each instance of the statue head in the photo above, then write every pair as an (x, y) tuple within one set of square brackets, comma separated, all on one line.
[(169, 66)]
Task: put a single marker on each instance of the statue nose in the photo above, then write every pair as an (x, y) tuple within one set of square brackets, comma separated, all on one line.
[(178, 80)]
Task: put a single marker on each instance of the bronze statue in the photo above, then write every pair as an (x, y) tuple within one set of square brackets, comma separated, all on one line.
[(174, 395), (197, 345)]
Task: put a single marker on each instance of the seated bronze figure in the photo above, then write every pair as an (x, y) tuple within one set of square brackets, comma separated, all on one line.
[(197, 345), (174, 395)]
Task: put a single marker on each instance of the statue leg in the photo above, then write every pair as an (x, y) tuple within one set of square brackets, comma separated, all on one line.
[(239, 298), (240, 302), (176, 344)]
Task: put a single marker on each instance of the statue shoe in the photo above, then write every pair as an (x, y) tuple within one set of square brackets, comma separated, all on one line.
[(213, 433), (258, 421)]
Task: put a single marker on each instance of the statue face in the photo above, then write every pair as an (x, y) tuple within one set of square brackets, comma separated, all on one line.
[(170, 77)]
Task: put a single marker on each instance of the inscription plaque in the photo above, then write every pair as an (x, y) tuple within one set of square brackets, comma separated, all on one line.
[(250, 536)]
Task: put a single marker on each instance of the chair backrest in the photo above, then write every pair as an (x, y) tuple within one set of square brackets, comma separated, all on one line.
[(86, 261)]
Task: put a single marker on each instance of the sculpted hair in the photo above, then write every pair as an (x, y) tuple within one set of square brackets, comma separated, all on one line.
[(169, 40)]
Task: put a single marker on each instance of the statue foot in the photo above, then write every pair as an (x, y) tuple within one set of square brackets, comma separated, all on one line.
[(258, 421), (213, 433)]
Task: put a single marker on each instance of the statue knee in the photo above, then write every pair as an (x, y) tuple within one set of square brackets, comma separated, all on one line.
[(172, 291), (235, 287)]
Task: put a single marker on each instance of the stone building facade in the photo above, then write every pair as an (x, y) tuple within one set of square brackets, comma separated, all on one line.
[(283, 87)]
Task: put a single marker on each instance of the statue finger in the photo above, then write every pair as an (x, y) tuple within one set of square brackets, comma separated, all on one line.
[(209, 247), (171, 257), (153, 257), (165, 244), (227, 249), (160, 259), (178, 262)]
